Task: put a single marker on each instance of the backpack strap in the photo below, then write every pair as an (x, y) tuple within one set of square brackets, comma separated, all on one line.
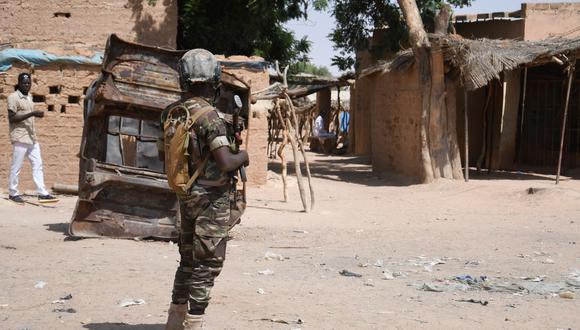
[(174, 109), (199, 170), (196, 115), (197, 173)]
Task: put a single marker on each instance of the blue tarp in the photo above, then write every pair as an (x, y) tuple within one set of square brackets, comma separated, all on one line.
[(38, 57)]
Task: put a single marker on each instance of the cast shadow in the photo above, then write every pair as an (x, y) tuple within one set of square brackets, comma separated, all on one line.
[(63, 229), (123, 326), (147, 29), (351, 169), (58, 227)]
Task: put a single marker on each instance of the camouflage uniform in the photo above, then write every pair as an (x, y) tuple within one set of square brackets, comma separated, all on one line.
[(205, 212)]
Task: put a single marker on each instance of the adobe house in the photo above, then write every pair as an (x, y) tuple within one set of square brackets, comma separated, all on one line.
[(79, 30), (72, 28), (386, 99)]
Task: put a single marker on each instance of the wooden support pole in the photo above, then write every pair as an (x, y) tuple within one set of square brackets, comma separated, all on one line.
[(283, 161), (571, 70), (523, 114), (466, 132), (301, 147)]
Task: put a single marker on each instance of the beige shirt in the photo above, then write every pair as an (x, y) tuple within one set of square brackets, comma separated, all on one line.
[(23, 131)]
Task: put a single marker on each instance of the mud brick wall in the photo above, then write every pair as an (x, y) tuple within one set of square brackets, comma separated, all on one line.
[(258, 121), (82, 27), (58, 90), (393, 117)]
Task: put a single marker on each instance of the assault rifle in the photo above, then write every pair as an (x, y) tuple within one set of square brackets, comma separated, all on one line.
[(238, 127)]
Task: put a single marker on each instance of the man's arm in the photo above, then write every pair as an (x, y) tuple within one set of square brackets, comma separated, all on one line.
[(14, 117), (228, 161)]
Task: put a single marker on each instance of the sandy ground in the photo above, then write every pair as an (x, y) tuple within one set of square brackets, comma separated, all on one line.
[(489, 227)]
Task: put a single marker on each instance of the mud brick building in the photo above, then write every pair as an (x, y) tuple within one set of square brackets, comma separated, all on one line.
[(386, 103), (81, 28), (69, 27)]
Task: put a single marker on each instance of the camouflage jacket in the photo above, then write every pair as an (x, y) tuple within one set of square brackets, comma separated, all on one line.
[(206, 129)]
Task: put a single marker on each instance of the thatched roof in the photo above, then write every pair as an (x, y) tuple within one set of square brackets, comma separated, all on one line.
[(482, 60)]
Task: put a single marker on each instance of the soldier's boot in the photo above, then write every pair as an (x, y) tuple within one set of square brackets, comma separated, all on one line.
[(193, 322), (176, 317)]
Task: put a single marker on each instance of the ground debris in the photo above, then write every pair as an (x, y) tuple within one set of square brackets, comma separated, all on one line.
[(7, 247), (474, 301), (62, 300), (40, 285), (64, 310), (274, 256), (281, 321), (266, 272), (529, 285), (426, 264), (131, 302), (567, 295), (348, 273)]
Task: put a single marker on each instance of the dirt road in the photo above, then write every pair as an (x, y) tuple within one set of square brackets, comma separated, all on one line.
[(420, 237)]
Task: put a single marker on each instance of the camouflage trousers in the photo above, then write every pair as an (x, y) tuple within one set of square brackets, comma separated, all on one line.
[(202, 246)]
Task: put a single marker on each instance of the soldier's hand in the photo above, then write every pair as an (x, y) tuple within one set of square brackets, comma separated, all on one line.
[(246, 163), (38, 113)]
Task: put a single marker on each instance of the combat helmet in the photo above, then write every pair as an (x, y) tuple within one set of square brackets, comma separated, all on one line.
[(198, 66)]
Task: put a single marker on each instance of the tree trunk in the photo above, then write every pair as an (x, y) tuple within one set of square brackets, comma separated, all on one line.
[(442, 19), (438, 140)]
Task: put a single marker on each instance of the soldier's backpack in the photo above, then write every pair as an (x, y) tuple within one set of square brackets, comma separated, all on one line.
[(177, 158)]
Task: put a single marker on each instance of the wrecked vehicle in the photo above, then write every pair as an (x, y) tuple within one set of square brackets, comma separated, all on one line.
[(123, 190)]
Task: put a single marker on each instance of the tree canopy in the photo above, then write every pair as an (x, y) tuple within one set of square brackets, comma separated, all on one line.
[(245, 27), (357, 19)]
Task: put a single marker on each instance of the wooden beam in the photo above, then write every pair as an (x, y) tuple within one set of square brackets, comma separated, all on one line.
[(466, 132), (571, 71)]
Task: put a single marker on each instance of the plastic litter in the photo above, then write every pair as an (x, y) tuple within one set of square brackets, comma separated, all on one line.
[(266, 272), (261, 291), (273, 256), (299, 321), (567, 295), (40, 285), (388, 275), (131, 302), (548, 261), (474, 301), (64, 310), (379, 263), (347, 273), (574, 279)]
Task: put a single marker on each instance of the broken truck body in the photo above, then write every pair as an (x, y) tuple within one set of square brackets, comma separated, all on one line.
[(123, 190)]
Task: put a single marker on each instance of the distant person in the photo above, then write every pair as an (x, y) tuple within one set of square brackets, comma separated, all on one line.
[(318, 130), (24, 142)]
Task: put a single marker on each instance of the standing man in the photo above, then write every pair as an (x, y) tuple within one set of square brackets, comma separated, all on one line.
[(23, 137), (205, 207)]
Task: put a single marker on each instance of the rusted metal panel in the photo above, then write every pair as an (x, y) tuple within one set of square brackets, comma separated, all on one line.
[(123, 190)]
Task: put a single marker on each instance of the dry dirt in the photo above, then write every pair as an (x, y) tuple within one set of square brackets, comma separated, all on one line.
[(490, 227)]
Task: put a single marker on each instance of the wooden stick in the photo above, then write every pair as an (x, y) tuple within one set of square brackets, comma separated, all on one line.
[(466, 119), (293, 143), (571, 70), (523, 115), (281, 150), (301, 145)]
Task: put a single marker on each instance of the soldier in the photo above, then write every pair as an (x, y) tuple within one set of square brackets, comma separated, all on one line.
[(205, 208)]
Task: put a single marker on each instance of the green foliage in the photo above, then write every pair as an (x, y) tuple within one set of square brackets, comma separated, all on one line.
[(245, 27), (357, 19), (309, 68)]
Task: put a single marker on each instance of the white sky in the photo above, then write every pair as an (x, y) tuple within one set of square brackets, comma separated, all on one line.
[(320, 24)]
